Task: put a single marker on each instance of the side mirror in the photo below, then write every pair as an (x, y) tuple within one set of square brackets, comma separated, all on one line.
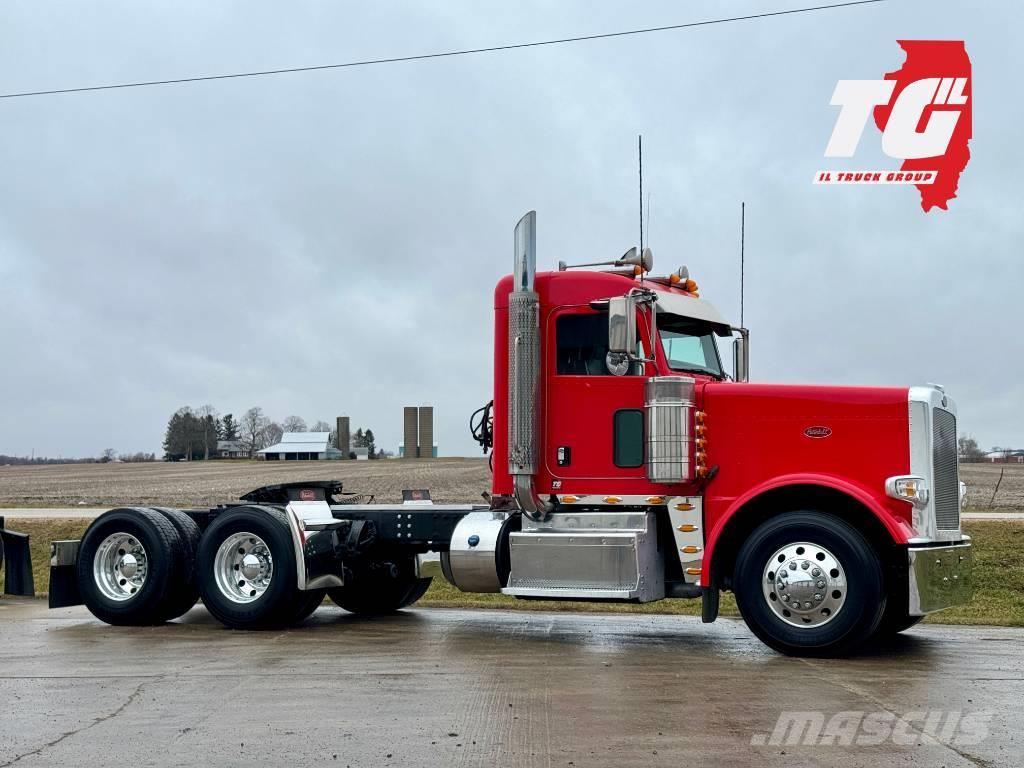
[(741, 356), (622, 325)]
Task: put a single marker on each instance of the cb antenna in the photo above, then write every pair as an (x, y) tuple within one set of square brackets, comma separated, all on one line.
[(640, 156), (743, 221)]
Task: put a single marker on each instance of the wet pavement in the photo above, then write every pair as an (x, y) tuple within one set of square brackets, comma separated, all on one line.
[(494, 688)]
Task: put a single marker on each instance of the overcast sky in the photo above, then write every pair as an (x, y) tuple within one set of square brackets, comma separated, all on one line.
[(327, 243)]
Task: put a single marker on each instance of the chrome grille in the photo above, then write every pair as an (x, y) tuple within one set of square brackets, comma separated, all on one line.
[(944, 470)]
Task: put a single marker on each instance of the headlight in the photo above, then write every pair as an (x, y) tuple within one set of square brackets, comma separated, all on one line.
[(908, 488)]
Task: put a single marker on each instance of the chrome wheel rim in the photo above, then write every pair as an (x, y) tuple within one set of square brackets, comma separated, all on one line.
[(243, 567), (120, 566), (804, 585)]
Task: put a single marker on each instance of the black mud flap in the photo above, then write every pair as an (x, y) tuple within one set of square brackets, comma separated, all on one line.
[(709, 604), (64, 574), (17, 562)]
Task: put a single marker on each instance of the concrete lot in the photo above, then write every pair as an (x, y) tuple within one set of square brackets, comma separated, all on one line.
[(447, 687)]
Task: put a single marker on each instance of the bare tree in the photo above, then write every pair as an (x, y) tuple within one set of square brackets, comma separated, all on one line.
[(254, 425), (969, 450), (272, 434), (321, 426), (208, 415), (107, 456), (294, 424)]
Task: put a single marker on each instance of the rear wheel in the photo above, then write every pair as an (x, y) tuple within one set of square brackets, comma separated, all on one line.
[(246, 568), (381, 587), (308, 602), (128, 563), (809, 584), (184, 592)]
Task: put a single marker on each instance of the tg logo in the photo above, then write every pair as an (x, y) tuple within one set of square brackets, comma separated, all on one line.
[(900, 136), (923, 111)]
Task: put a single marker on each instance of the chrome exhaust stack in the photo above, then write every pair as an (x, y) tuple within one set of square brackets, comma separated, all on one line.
[(524, 371)]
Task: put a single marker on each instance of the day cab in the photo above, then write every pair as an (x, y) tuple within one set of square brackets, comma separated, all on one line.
[(644, 470)]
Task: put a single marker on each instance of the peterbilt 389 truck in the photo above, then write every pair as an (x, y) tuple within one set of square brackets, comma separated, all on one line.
[(627, 466)]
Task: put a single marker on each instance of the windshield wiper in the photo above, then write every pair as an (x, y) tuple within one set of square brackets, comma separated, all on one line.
[(698, 369)]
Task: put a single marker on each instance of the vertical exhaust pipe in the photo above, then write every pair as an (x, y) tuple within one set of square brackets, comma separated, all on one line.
[(524, 370)]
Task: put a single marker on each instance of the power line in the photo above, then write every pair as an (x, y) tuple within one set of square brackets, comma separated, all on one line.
[(440, 55)]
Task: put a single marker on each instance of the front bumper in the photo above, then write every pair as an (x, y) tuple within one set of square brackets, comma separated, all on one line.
[(939, 577)]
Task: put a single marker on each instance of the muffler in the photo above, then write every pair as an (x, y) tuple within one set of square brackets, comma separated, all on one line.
[(524, 371)]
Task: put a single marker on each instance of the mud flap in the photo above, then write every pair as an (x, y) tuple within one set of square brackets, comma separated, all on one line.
[(17, 561), (64, 574), (709, 604)]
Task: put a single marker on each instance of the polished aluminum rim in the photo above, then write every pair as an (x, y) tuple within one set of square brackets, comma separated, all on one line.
[(243, 567), (804, 585), (120, 566)]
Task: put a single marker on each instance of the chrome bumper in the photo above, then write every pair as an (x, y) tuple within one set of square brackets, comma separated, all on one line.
[(940, 577)]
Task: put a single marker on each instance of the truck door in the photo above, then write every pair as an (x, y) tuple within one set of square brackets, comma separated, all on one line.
[(594, 420)]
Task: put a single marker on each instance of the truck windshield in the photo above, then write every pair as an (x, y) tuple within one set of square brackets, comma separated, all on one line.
[(689, 345)]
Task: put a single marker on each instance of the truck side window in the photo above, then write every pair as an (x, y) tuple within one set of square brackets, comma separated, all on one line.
[(582, 345), (628, 438)]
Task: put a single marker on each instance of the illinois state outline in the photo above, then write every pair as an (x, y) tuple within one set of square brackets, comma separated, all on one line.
[(925, 59)]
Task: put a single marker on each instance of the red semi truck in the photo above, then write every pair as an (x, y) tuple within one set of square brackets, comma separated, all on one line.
[(628, 466)]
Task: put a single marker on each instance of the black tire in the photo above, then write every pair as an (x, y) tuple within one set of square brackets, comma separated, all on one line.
[(281, 602), (895, 619), (185, 591), (379, 588), (864, 599), (163, 552), (306, 603)]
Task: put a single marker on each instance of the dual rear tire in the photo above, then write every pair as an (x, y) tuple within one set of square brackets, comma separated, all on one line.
[(141, 566), (136, 566), (247, 571), (381, 587)]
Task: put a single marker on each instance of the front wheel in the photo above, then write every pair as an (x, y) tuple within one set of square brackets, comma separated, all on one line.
[(896, 619), (809, 584)]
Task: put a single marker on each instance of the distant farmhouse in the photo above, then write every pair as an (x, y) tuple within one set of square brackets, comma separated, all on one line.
[(302, 446), (232, 449), (1005, 457)]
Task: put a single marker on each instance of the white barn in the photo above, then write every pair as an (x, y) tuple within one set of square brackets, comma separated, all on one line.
[(302, 446)]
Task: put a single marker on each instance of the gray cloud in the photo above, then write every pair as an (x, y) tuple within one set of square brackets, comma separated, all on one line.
[(328, 243)]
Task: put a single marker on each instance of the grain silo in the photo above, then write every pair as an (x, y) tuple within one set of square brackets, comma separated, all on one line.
[(426, 440), (342, 440), (411, 433)]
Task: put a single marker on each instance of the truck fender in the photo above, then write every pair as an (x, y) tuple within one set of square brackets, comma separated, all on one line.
[(899, 530)]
